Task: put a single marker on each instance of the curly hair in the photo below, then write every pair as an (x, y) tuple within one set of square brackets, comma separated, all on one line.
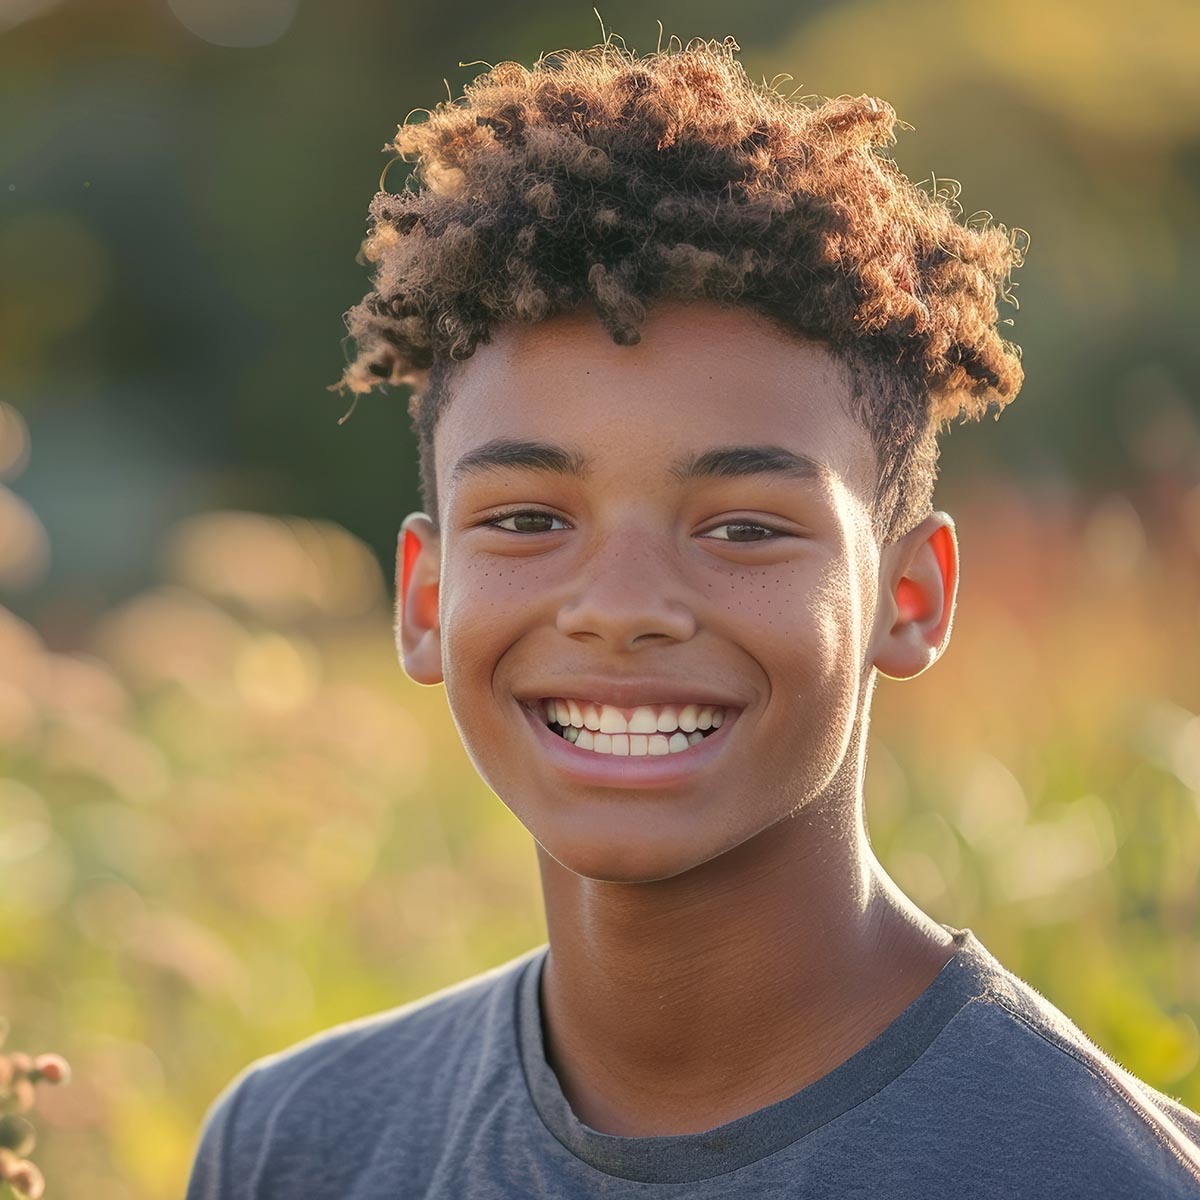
[(602, 176)]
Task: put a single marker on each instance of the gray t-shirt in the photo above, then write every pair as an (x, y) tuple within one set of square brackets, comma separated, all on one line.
[(980, 1088)]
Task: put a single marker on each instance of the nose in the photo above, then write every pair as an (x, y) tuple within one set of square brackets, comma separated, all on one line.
[(627, 594)]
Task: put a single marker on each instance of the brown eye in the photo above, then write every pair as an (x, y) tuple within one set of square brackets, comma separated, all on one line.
[(526, 516), (742, 527)]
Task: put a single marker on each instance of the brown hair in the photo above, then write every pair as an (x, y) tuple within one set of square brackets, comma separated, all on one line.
[(604, 177)]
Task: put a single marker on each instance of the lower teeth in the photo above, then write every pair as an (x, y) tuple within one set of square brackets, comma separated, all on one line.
[(572, 734)]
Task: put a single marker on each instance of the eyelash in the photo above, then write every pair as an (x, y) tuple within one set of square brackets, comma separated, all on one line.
[(776, 534)]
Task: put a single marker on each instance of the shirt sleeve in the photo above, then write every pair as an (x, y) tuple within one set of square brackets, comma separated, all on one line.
[(217, 1173), (1184, 1117)]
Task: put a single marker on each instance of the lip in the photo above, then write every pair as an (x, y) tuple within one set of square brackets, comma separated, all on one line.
[(622, 771), (628, 693)]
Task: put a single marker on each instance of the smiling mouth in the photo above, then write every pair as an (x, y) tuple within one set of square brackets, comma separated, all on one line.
[(582, 729)]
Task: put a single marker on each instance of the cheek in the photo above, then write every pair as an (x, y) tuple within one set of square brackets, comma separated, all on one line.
[(484, 608), (836, 604), (833, 644), (475, 588), (765, 604)]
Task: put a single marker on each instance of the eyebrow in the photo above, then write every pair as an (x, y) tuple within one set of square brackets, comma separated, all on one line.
[(717, 462)]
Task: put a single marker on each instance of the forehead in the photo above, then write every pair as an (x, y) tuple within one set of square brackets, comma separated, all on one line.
[(702, 376)]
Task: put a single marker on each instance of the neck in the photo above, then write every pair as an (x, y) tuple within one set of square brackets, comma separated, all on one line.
[(681, 1004)]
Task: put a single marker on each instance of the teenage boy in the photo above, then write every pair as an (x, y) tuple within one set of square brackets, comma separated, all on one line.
[(686, 348)]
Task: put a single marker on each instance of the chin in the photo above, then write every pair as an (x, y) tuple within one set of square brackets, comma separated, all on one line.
[(616, 867), (609, 855)]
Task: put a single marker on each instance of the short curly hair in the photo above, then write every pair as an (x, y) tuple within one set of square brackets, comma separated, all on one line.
[(602, 176)]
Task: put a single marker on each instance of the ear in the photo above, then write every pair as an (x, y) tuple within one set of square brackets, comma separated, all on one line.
[(418, 573), (918, 586)]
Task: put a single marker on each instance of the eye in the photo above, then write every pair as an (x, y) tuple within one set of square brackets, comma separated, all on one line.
[(772, 534), (497, 522), (738, 530)]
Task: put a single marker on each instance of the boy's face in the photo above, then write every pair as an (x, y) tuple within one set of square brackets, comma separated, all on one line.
[(632, 575)]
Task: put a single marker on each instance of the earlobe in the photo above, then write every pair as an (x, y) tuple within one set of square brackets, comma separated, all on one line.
[(918, 589), (418, 573)]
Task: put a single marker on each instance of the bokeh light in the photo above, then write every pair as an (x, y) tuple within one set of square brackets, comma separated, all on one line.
[(228, 820), (237, 23), (14, 442), (24, 546)]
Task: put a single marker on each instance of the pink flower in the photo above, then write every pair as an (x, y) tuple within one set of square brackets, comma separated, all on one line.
[(53, 1068)]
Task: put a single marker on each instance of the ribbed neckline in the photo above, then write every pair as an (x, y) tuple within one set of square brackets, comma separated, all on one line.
[(686, 1158)]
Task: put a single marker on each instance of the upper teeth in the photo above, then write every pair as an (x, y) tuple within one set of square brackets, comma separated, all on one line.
[(646, 718)]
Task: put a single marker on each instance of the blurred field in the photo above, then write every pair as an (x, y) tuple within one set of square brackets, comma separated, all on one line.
[(232, 821), (227, 819)]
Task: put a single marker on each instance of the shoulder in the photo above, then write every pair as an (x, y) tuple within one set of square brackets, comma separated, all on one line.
[(1028, 1094), (321, 1103)]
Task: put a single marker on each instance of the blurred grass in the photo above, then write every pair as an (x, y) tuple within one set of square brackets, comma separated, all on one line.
[(227, 820), (232, 821)]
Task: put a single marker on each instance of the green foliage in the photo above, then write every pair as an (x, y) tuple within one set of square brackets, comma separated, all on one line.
[(228, 821), (233, 822)]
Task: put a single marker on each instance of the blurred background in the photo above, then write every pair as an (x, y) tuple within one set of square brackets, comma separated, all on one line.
[(227, 819)]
